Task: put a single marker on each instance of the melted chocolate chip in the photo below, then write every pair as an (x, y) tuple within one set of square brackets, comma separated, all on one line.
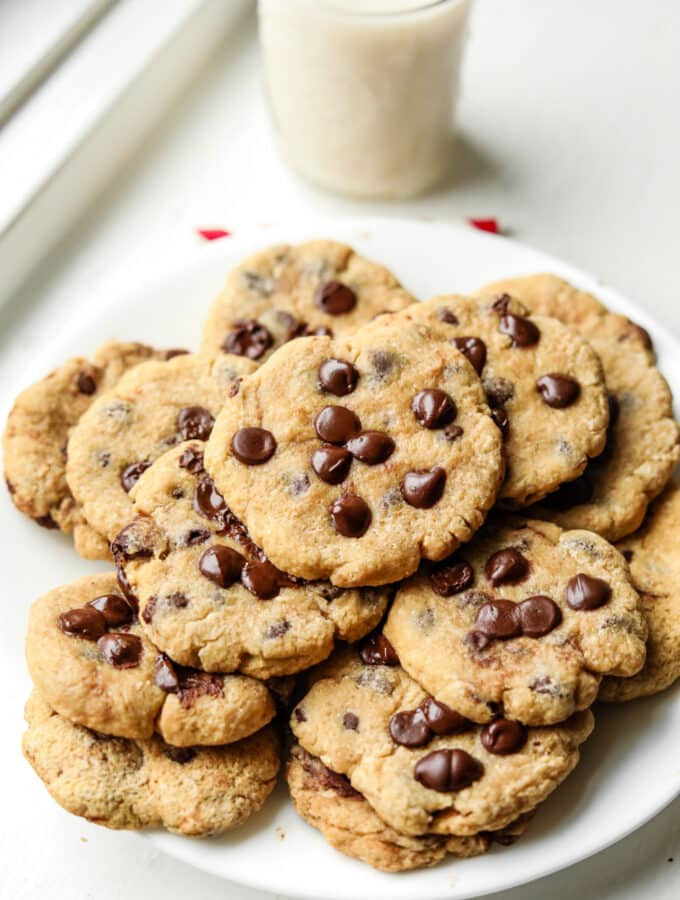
[(164, 675), (126, 588), (338, 377), (253, 446), (351, 516), (331, 464), (86, 623), (521, 330), (336, 424), (498, 619), (506, 566), (208, 501), (474, 349), (193, 537), (410, 729), (195, 423), (453, 432), (114, 608), (192, 460), (477, 641), (130, 544), (221, 564), (350, 721), (132, 473), (558, 391), (376, 650), (262, 579), (442, 719), (383, 363), (451, 578), (503, 736), (538, 616), (423, 489), (248, 338), (433, 408), (445, 315), (371, 447), (500, 417), (585, 592), (501, 304), (335, 298), (448, 770), (123, 651), (86, 384), (194, 684)]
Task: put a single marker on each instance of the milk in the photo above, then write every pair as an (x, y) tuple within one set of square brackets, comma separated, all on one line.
[(362, 92)]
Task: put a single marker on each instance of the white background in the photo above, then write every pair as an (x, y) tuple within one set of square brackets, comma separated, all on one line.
[(571, 136)]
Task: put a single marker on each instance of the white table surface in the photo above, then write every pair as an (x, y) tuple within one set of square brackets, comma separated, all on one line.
[(570, 128)]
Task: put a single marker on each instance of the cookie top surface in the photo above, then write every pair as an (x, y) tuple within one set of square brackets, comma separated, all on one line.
[(152, 408), (91, 661), (382, 450), (207, 595), (328, 802), (653, 555), (421, 766), (642, 447), (524, 620), (123, 783), (543, 382), (285, 292), (38, 428)]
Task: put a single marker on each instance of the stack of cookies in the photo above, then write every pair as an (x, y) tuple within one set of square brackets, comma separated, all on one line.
[(409, 542)]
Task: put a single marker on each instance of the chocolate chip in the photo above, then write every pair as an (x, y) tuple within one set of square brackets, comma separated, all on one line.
[(193, 537), (195, 423), (192, 460), (433, 408), (86, 383), (501, 304), (585, 592), (521, 330), (123, 651), (249, 338), (500, 417), (453, 432), (445, 315), (376, 650), (221, 564), (638, 332), (350, 721), (114, 608), (477, 641), (336, 424), (124, 585), (442, 719), (331, 464), (506, 566), (451, 578), (538, 616), (262, 579), (351, 516), (175, 351), (164, 675), (86, 623), (371, 447), (410, 729), (253, 446), (383, 362), (180, 755), (338, 377), (503, 736), (208, 501), (299, 714), (448, 770), (132, 473), (335, 298), (194, 684), (261, 284), (423, 489), (558, 391), (474, 349), (498, 619), (277, 630)]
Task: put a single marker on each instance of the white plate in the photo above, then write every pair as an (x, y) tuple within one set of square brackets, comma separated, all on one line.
[(630, 768)]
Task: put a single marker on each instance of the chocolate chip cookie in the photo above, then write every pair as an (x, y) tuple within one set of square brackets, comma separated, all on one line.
[(328, 802), (421, 765), (526, 620), (37, 433), (612, 494), (654, 559), (123, 783), (285, 292), (543, 382), (381, 451), (209, 597), (93, 664), (152, 408)]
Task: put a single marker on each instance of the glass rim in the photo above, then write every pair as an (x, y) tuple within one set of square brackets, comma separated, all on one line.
[(424, 6)]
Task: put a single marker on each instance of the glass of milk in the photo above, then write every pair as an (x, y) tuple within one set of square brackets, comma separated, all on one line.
[(362, 92)]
